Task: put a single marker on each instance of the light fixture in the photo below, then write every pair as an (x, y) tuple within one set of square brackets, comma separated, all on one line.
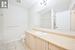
[(44, 2), (18, 1)]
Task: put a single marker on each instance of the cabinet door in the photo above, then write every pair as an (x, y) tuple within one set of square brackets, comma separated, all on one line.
[(30, 41), (41, 44), (54, 47), (27, 39)]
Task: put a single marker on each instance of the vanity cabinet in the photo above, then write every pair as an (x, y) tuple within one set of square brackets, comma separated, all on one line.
[(35, 43)]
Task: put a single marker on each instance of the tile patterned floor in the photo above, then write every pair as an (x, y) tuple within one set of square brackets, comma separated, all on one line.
[(18, 45)]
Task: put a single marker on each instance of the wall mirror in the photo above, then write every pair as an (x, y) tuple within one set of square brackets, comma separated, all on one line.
[(58, 20)]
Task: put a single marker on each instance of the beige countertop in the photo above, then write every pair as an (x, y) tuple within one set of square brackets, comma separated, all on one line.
[(61, 41), (63, 33)]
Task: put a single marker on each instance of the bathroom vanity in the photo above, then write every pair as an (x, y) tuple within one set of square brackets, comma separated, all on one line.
[(43, 39)]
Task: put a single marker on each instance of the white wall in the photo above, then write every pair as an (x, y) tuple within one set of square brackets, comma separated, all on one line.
[(34, 18), (1, 25), (14, 22)]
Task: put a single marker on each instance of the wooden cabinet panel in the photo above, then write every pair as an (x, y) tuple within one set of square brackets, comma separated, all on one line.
[(54, 47), (27, 39), (41, 45), (30, 41), (35, 43)]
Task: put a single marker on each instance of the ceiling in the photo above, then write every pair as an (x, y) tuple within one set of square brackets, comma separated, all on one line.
[(58, 5), (25, 3)]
